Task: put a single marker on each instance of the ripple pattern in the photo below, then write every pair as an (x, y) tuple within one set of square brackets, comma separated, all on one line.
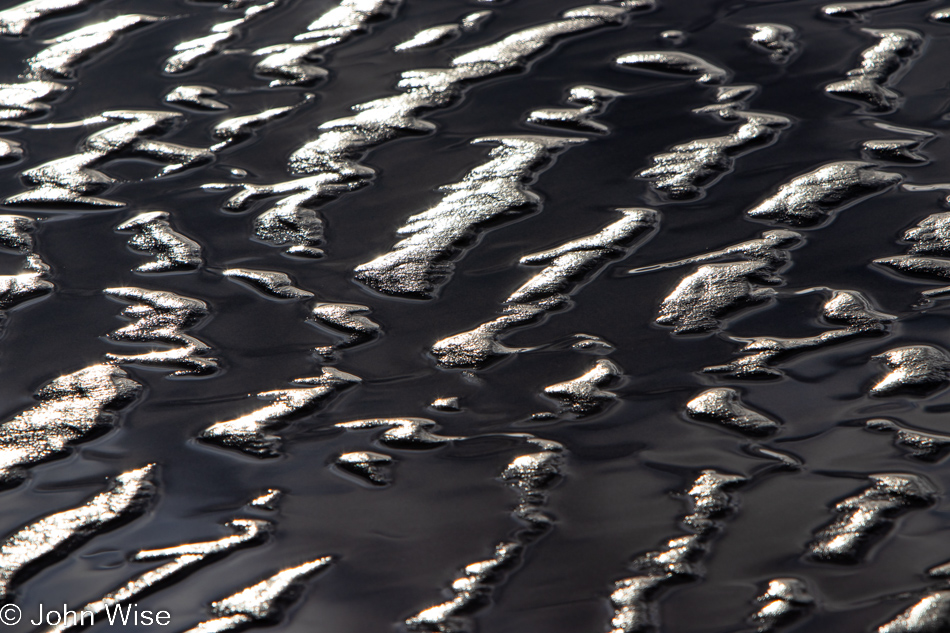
[(593, 253)]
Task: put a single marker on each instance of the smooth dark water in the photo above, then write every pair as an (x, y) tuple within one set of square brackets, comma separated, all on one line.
[(400, 546)]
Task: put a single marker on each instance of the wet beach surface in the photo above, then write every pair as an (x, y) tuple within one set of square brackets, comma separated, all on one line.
[(476, 316)]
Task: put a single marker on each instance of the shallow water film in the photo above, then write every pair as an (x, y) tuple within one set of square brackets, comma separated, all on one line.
[(448, 316)]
